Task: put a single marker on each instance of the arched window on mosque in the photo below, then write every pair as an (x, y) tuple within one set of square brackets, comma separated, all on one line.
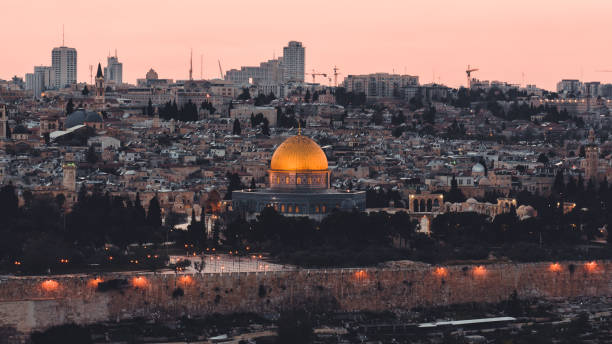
[(323, 208), (299, 180), (309, 180), (316, 209), (297, 209), (282, 208), (286, 180), (291, 209), (277, 180)]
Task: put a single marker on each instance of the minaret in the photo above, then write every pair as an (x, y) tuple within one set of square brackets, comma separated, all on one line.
[(592, 158), (3, 123), (156, 118), (69, 168), (99, 100)]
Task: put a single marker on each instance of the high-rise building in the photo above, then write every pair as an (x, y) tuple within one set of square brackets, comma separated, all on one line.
[(113, 72), (293, 62), (42, 79), (64, 64)]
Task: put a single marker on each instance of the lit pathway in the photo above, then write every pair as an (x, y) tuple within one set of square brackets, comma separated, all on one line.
[(225, 263)]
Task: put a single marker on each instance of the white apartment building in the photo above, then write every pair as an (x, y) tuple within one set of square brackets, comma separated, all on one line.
[(294, 62), (64, 64)]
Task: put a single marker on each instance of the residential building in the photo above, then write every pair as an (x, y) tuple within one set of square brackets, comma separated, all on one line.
[(294, 62), (64, 64), (113, 72)]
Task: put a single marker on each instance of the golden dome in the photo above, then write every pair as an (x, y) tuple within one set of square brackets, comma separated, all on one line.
[(299, 153)]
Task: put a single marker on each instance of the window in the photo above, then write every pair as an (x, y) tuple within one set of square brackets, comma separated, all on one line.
[(309, 180), (291, 209), (286, 180), (316, 209), (297, 209), (299, 180), (282, 208), (277, 180), (323, 209)]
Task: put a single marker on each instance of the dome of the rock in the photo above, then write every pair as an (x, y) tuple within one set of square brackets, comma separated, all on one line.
[(299, 153)]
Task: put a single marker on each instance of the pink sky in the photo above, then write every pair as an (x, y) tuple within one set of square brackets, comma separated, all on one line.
[(545, 40)]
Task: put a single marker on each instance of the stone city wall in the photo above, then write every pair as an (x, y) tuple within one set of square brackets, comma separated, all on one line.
[(35, 303)]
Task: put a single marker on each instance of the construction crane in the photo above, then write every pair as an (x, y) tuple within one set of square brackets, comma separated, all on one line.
[(469, 72), (220, 70), (314, 75), (336, 76)]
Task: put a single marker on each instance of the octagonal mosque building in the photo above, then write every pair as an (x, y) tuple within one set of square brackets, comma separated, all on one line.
[(299, 184)]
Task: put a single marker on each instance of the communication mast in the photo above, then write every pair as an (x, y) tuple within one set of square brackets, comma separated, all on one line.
[(191, 66)]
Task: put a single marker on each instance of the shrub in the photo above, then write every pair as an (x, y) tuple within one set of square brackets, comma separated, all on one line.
[(65, 334), (178, 292), (114, 284)]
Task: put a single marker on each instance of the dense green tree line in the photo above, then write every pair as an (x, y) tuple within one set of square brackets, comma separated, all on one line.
[(40, 233)]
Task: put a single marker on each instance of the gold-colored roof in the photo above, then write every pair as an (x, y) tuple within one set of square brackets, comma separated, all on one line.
[(299, 153)]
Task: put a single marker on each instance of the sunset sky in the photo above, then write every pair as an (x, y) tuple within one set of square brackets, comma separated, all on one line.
[(545, 40)]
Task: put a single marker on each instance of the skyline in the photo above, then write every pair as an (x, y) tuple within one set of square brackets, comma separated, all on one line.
[(546, 42)]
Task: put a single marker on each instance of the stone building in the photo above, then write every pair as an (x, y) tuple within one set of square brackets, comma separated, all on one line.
[(299, 180)]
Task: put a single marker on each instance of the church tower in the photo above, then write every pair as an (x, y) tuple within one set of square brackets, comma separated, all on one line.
[(69, 168), (99, 100), (592, 158), (3, 123)]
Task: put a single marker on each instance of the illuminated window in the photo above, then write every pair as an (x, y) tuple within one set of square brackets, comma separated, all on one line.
[(277, 180), (309, 180), (282, 208), (299, 180), (323, 209), (297, 209), (291, 209), (317, 209), (286, 180)]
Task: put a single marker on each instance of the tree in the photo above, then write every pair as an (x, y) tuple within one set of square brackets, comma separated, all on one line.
[(377, 118), (91, 156), (69, 107), (154, 218), (85, 91), (430, 115), (543, 159), (150, 110), (234, 183), (237, 130), (295, 327), (245, 95), (455, 195)]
